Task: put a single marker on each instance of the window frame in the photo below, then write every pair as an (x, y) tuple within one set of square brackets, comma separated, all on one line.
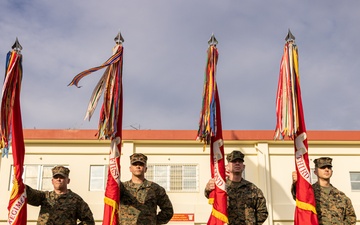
[(104, 176), (171, 179), (352, 182), (39, 177)]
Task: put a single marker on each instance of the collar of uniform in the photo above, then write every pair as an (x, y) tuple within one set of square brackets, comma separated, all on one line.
[(316, 186), (56, 196), (145, 184), (243, 182)]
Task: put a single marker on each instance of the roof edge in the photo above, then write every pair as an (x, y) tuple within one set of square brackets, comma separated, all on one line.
[(242, 135)]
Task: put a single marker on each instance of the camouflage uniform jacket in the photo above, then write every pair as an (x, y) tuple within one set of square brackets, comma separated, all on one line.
[(138, 204), (246, 203), (333, 207), (60, 209)]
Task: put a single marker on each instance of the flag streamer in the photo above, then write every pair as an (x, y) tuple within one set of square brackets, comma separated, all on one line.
[(110, 85), (287, 94), (291, 124), (210, 132), (11, 128), (207, 127), (110, 123)]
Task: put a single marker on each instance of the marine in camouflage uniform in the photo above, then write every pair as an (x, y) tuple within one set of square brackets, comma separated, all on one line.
[(246, 203), (139, 197), (333, 207), (58, 209)]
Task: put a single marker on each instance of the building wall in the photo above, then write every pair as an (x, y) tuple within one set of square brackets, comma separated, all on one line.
[(268, 163)]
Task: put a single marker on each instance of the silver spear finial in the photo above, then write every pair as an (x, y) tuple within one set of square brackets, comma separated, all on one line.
[(119, 39)]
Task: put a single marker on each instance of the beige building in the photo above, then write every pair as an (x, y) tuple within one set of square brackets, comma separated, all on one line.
[(180, 164)]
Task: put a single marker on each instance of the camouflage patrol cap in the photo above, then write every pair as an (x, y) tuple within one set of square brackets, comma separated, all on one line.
[(138, 157), (235, 155), (323, 161), (60, 170)]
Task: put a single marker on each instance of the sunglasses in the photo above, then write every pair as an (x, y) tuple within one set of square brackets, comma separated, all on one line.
[(324, 167)]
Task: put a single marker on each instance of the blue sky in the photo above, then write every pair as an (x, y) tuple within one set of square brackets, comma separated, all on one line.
[(165, 55)]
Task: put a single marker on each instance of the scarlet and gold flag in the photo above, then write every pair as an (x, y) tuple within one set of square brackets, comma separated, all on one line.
[(110, 124), (112, 191), (210, 132), (291, 123), (11, 128)]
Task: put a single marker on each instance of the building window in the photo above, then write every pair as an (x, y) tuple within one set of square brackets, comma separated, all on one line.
[(36, 176), (174, 177), (355, 181), (98, 177)]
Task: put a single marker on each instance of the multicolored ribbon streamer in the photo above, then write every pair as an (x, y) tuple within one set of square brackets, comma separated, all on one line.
[(207, 127), (287, 94), (109, 84)]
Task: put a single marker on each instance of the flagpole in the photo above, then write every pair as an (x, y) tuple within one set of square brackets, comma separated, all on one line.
[(210, 132), (11, 122), (110, 123), (291, 124), (112, 191)]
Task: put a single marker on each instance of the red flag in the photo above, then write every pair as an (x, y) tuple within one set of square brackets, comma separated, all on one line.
[(112, 192), (11, 117), (291, 123), (210, 132), (305, 211), (218, 197), (110, 124)]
